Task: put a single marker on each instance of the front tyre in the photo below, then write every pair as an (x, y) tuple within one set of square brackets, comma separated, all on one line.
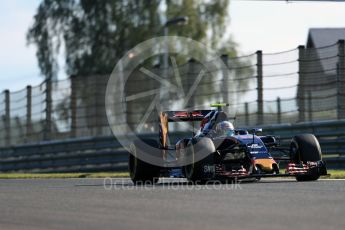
[(306, 148)]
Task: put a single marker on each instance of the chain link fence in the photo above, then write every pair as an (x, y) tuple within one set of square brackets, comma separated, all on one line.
[(298, 85)]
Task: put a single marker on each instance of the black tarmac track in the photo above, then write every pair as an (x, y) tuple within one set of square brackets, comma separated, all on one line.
[(171, 205)]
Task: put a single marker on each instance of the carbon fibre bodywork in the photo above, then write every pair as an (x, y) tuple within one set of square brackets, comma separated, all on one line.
[(243, 155)]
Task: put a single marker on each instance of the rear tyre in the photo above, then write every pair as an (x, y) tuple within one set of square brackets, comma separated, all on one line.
[(306, 148), (195, 172), (142, 172)]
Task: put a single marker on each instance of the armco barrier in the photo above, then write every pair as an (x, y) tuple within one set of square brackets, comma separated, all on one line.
[(106, 153), (331, 134), (71, 155)]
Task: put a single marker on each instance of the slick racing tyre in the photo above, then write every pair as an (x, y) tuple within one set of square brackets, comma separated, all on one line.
[(194, 172), (142, 172), (306, 148)]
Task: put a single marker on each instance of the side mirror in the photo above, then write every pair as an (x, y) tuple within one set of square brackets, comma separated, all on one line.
[(257, 130)]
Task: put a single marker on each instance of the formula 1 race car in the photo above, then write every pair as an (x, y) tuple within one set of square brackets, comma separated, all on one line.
[(218, 151)]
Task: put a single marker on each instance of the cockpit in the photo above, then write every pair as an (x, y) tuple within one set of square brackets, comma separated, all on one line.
[(216, 123)]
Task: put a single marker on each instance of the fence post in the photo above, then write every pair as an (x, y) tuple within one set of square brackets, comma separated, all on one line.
[(341, 80), (73, 106), (28, 112), (310, 107), (48, 111), (225, 80), (259, 87), (246, 113), (20, 138), (279, 111), (7, 118), (301, 89)]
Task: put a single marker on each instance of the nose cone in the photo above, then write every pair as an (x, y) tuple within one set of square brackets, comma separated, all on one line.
[(266, 165)]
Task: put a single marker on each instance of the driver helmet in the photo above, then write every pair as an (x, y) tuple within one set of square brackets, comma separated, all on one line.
[(225, 128)]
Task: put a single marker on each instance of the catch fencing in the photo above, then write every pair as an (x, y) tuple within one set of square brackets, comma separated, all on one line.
[(294, 86)]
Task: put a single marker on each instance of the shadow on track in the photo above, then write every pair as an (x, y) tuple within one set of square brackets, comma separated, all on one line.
[(165, 182)]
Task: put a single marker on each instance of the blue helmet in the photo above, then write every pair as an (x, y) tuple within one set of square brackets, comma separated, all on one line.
[(225, 128)]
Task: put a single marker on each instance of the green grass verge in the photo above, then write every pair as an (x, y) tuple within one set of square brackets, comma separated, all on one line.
[(61, 175), (335, 174)]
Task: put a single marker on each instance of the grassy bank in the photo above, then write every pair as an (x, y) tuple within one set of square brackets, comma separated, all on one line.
[(61, 175), (335, 174)]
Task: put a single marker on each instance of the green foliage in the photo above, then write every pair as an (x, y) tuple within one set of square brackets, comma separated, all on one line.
[(96, 33)]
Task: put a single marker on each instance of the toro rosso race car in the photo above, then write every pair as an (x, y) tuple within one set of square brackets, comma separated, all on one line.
[(218, 151)]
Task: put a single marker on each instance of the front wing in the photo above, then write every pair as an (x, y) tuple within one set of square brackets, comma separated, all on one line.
[(291, 170)]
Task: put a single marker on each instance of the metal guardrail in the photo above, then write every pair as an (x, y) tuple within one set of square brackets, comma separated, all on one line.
[(107, 154), (72, 155), (331, 134)]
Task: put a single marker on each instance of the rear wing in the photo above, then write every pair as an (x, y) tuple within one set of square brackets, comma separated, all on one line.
[(177, 116), (183, 116)]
